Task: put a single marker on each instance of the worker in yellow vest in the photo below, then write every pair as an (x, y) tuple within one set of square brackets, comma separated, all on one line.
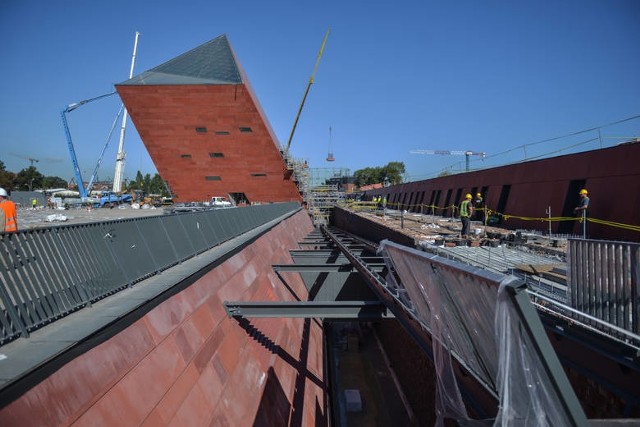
[(466, 211)]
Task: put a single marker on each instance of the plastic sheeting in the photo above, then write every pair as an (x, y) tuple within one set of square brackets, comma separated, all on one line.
[(472, 318), (527, 397)]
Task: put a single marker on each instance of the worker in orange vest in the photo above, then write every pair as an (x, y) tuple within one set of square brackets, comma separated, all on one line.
[(8, 208)]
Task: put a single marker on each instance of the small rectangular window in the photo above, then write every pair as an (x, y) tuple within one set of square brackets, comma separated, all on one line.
[(212, 178), (222, 132), (201, 129), (258, 174), (216, 155), (246, 130), (185, 156)]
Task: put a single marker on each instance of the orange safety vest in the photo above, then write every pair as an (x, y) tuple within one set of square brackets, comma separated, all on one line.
[(10, 216)]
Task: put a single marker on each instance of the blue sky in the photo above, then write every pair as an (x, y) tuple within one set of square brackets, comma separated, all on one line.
[(489, 76)]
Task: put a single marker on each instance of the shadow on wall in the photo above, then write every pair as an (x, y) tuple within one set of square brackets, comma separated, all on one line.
[(272, 407)]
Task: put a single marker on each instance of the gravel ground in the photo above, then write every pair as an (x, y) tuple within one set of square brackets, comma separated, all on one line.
[(43, 217)]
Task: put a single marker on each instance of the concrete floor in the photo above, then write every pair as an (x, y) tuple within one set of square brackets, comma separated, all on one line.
[(359, 364)]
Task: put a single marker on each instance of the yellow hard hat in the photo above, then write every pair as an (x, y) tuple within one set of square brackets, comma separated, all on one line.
[(583, 191), (478, 194), (468, 196)]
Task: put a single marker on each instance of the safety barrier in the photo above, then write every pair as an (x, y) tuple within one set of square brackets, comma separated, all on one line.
[(432, 209), (487, 323), (604, 281), (48, 273)]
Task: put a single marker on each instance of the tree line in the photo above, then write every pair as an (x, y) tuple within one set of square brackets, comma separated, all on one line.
[(29, 179), (391, 174)]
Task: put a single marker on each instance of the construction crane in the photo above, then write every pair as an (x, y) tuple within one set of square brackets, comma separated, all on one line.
[(467, 154), (119, 171), (31, 159), (84, 192), (306, 92)]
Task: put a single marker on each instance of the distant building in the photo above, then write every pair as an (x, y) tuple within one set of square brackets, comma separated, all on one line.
[(371, 187)]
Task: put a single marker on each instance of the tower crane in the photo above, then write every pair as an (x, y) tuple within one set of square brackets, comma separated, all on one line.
[(467, 154), (31, 159)]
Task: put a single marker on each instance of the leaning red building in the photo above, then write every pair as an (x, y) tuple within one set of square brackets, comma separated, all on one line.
[(205, 131)]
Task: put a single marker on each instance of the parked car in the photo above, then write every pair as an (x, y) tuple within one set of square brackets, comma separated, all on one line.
[(220, 202)]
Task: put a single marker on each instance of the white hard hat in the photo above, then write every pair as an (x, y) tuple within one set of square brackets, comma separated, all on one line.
[(3, 192)]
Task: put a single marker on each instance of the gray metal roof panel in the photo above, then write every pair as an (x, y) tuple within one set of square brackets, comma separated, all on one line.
[(210, 63)]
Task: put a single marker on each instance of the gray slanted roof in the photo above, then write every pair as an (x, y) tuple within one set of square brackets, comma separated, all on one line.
[(210, 63)]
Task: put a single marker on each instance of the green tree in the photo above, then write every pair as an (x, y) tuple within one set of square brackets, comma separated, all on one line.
[(139, 182), (54, 182), (366, 176), (28, 179), (392, 172), (146, 186), (157, 185), (6, 177)]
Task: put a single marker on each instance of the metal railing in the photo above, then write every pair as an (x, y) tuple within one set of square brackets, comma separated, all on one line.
[(48, 273), (604, 279)]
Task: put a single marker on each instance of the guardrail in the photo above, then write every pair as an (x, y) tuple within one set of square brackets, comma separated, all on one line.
[(486, 321), (604, 281), (48, 273)]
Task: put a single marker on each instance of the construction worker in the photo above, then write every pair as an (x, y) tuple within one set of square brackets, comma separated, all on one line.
[(477, 203), (8, 211), (466, 211), (34, 203), (581, 210), (584, 203)]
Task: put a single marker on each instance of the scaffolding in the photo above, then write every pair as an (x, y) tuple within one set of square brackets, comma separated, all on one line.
[(328, 176), (321, 200), (299, 169), (324, 190), (321, 188)]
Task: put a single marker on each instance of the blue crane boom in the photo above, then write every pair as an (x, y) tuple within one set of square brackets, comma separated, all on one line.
[(104, 148), (76, 168)]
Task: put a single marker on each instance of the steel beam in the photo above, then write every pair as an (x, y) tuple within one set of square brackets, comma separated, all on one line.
[(355, 310), (313, 268), (323, 268)]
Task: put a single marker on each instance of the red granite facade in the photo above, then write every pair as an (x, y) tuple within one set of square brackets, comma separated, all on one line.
[(185, 363), (210, 140), (523, 193)]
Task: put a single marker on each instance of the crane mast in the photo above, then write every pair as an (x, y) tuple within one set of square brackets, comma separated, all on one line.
[(119, 172)]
